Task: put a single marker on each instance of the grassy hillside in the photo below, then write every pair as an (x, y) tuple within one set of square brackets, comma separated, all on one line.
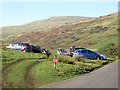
[(12, 31), (99, 33), (27, 70)]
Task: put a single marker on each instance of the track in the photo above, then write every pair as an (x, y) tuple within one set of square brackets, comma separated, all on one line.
[(18, 61), (27, 76)]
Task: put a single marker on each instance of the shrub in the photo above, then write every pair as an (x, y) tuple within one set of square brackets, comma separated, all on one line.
[(65, 59), (79, 58)]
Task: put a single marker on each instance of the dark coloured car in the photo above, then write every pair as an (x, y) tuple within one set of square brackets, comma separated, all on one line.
[(36, 49), (32, 48), (27, 48), (88, 54)]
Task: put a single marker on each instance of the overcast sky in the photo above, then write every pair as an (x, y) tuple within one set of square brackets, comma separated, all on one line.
[(16, 13)]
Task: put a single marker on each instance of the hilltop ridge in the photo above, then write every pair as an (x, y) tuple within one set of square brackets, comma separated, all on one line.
[(39, 25)]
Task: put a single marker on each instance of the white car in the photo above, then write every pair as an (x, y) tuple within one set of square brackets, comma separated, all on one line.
[(16, 46)]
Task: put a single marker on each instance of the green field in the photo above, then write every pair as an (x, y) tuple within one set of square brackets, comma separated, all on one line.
[(29, 70), (9, 56)]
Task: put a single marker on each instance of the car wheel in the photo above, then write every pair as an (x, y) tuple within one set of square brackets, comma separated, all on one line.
[(98, 58), (24, 50)]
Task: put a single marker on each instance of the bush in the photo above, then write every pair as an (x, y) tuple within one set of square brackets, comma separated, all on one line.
[(77, 69), (66, 60), (110, 50), (79, 58)]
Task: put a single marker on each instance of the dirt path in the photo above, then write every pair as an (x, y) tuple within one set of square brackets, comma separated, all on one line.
[(27, 76)]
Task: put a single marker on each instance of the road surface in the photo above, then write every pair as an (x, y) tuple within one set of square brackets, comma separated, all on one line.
[(105, 77)]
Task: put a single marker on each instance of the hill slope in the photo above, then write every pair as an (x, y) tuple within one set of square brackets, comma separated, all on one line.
[(39, 25), (100, 33)]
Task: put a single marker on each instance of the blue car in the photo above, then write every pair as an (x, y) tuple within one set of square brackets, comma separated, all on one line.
[(88, 54)]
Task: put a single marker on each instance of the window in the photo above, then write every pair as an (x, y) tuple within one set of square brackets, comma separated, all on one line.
[(76, 51), (19, 44), (83, 51), (91, 52)]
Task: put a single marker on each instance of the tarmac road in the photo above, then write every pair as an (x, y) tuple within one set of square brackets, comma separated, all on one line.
[(105, 77)]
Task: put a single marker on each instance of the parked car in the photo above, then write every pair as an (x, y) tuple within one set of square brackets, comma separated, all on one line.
[(32, 48), (28, 48), (36, 49), (61, 51), (88, 54), (25, 47), (72, 49), (16, 46)]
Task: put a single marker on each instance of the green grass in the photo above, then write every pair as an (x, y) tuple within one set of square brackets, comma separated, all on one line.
[(44, 73), (9, 56), (103, 44), (15, 76)]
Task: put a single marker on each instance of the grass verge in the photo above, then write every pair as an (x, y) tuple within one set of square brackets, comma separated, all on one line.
[(44, 72)]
